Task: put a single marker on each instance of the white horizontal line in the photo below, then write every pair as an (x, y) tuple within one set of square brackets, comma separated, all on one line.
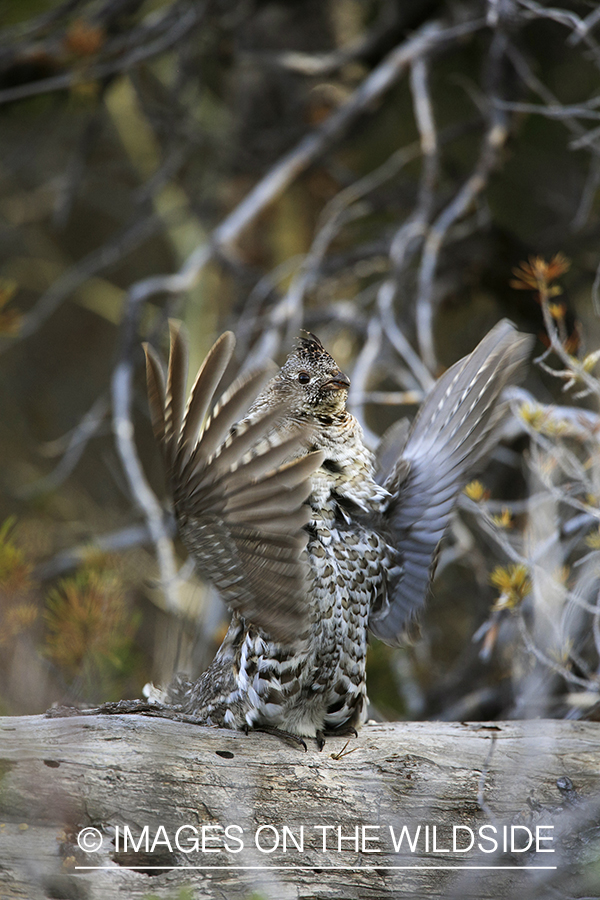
[(312, 868)]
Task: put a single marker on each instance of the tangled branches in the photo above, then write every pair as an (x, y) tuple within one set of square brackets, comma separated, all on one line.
[(371, 174)]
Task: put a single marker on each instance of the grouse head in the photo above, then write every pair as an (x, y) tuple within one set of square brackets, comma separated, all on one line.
[(311, 381)]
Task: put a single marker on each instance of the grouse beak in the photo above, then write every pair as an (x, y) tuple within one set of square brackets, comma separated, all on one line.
[(339, 382)]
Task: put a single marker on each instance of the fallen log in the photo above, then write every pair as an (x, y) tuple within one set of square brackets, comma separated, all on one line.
[(127, 806)]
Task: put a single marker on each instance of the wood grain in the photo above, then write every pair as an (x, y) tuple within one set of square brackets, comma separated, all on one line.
[(58, 776)]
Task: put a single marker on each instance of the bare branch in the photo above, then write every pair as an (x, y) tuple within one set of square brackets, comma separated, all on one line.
[(493, 143), (428, 38), (562, 16), (363, 367), (585, 27), (79, 439), (407, 239), (389, 398), (180, 26), (115, 542), (98, 261), (140, 489), (396, 337), (555, 111), (344, 208), (524, 71), (553, 665), (324, 64), (32, 27), (588, 194)]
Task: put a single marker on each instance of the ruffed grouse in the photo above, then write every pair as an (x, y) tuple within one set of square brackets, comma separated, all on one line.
[(310, 539)]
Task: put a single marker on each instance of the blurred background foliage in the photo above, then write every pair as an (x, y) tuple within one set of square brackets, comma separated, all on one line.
[(144, 138)]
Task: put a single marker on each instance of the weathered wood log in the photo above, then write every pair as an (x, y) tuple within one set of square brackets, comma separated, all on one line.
[(253, 814)]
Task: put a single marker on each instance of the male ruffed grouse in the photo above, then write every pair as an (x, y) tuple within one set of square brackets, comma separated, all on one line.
[(309, 540)]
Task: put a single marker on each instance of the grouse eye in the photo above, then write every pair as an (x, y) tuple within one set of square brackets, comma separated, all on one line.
[(303, 377)]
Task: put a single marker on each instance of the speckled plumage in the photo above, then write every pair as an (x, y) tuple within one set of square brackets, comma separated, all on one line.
[(359, 550)]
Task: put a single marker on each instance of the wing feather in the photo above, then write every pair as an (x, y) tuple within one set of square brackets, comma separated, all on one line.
[(207, 381), (451, 436), (239, 487)]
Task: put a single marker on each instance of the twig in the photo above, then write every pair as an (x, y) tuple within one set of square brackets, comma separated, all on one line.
[(389, 398), (493, 142), (80, 437), (431, 36), (116, 541), (98, 261), (75, 169), (555, 111), (586, 140), (580, 28), (181, 26), (396, 337), (423, 107), (33, 27), (582, 423), (589, 684), (246, 318), (409, 236), (360, 375), (588, 194), (585, 27), (571, 363), (524, 72), (344, 208), (121, 390), (562, 16), (324, 64)]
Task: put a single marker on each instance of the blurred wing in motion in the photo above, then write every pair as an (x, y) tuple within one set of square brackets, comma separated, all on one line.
[(450, 437), (237, 488)]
